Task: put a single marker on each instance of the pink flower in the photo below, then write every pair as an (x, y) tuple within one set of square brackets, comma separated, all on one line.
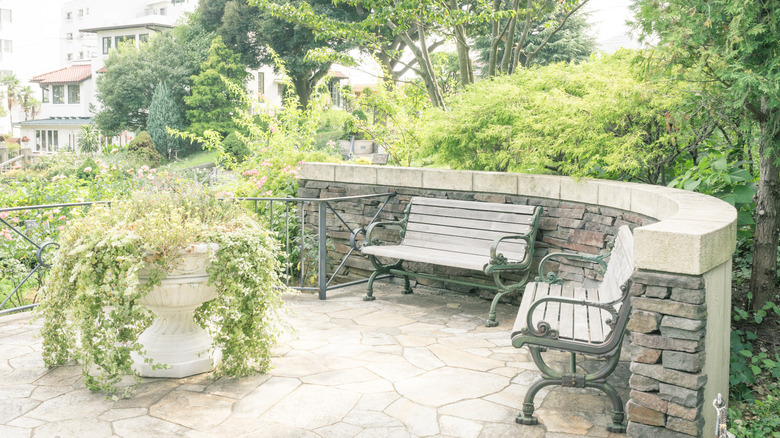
[(115, 150), (4, 214), (262, 181), (251, 172), (61, 227), (225, 194), (273, 129), (87, 169), (15, 220), (144, 168), (6, 234), (58, 177), (266, 163)]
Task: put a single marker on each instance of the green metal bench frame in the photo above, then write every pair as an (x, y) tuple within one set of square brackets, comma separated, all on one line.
[(540, 335), (496, 264)]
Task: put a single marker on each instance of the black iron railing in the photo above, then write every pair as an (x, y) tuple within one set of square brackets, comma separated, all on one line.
[(289, 224)]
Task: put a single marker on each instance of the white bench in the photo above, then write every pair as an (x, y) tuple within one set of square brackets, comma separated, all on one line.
[(575, 319), (495, 239)]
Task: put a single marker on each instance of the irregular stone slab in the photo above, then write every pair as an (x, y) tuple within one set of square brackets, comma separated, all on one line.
[(397, 432), (121, 414), (13, 408), (372, 386), (394, 369), (383, 319), (74, 428), (480, 410), (63, 375), (420, 420), (14, 432), (72, 406), (449, 385), (340, 377), (492, 430), (193, 410), (377, 338), (415, 341), (560, 399), (234, 387), (458, 427), (311, 407), (147, 426), (421, 357), (264, 397), (461, 359), (22, 390), (371, 419), (377, 402), (150, 392), (338, 430), (563, 422)]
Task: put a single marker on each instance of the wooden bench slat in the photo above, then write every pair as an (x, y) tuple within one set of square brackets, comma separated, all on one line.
[(428, 255), (566, 315), (459, 223), (455, 232), (481, 215), (582, 330), (511, 250), (527, 209), (595, 321)]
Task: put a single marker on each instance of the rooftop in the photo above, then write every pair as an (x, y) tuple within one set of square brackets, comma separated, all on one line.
[(403, 365), (68, 75)]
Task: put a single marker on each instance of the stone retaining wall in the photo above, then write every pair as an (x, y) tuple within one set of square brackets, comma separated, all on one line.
[(679, 340)]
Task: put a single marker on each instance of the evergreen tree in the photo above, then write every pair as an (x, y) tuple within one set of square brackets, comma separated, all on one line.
[(213, 104), (163, 112)]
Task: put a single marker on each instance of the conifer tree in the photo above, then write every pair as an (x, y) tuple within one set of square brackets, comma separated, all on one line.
[(212, 104), (163, 112)]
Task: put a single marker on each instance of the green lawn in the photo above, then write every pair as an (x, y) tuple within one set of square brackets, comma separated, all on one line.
[(195, 159)]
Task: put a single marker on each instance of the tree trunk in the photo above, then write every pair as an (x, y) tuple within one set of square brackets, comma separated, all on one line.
[(764, 275), (303, 89), (462, 48), (495, 38)]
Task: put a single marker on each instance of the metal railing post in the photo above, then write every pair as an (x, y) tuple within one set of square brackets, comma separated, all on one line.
[(322, 249)]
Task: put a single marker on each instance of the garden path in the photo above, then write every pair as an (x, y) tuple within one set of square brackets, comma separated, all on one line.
[(400, 366)]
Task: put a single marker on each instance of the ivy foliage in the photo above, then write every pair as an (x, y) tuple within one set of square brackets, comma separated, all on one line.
[(91, 306)]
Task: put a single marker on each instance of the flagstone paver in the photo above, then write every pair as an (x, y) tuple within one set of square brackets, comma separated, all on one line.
[(421, 365)]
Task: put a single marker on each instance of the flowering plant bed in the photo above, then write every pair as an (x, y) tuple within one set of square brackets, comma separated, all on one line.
[(112, 258)]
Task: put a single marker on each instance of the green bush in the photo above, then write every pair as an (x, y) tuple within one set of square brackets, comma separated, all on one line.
[(235, 147), (87, 170), (142, 148)]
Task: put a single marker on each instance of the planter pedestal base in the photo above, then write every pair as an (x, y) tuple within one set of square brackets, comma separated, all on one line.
[(174, 339)]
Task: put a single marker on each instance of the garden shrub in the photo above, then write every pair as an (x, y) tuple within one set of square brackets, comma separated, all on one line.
[(87, 170), (143, 148), (235, 147)]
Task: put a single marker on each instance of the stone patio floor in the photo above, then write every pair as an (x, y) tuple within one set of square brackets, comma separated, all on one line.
[(402, 366)]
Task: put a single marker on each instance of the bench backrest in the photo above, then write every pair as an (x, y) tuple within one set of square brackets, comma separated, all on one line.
[(619, 267), (467, 226)]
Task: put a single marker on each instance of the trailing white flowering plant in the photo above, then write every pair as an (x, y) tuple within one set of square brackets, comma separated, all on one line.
[(90, 304)]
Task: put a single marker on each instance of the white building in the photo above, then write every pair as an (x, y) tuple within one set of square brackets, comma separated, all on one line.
[(89, 30)]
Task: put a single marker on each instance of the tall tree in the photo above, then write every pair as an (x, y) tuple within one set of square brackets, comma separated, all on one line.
[(570, 43), (250, 31), (30, 104), (125, 90), (212, 105), (731, 46), (164, 113), (12, 91)]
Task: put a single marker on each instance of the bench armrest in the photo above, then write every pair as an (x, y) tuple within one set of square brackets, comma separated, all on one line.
[(498, 261), (542, 328), (369, 241), (552, 278)]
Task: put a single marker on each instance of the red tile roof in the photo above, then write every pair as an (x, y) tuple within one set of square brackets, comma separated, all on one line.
[(69, 75), (337, 74)]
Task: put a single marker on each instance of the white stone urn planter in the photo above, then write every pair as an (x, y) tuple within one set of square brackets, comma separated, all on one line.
[(174, 339)]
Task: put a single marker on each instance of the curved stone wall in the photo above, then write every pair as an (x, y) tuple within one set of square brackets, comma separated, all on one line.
[(683, 243)]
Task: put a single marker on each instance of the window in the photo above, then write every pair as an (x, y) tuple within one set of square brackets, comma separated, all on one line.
[(163, 11), (81, 55), (58, 93), (45, 95), (81, 13), (86, 11), (69, 16), (47, 140), (5, 17), (144, 37), (74, 93), (70, 57), (106, 45), (68, 36), (261, 83), (120, 39), (6, 46)]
